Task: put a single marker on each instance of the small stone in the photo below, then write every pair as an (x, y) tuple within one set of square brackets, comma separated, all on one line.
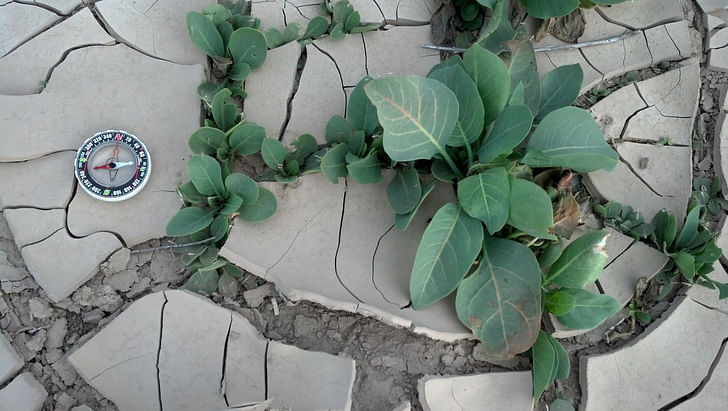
[(36, 342), (122, 281), (117, 262), (446, 359), (64, 402), (83, 296), (65, 371), (53, 355), (479, 353), (255, 297), (93, 316), (39, 309)]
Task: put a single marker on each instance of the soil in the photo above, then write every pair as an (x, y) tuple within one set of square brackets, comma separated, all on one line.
[(390, 360)]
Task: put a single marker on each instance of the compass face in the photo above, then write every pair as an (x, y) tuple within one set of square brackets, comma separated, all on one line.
[(112, 165)]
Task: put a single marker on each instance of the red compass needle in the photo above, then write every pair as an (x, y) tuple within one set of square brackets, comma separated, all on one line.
[(114, 165)]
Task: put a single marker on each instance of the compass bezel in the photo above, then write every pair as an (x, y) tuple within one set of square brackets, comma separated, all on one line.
[(123, 191)]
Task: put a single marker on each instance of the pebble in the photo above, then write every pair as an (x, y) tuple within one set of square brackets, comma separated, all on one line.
[(123, 280), (64, 402), (53, 355), (37, 341), (255, 297), (56, 333), (39, 309)]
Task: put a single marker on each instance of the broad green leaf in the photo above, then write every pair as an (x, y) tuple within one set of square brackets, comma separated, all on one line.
[(273, 37), (404, 191), (206, 140), (471, 114), (248, 45), (242, 186), (451, 61), (225, 29), (581, 262), (523, 71), (224, 110), (544, 9), (569, 137), (357, 143), (317, 27), (187, 221), (685, 262), (517, 97), (559, 88), (291, 32), (530, 209), (442, 172), (274, 153), (352, 21), (191, 253), (333, 164), (337, 32), (402, 221), (262, 209), (342, 10), (564, 364), (239, 71), (232, 204), (227, 286), (207, 91), (559, 303), (219, 227), (204, 34), (689, 230), (491, 76), (501, 301), (365, 170), (550, 254), (418, 115), (449, 246), (247, 139), (189, 194), (338, 130), (360, 111), (232, 270), (202, 282), (665, 229), (205, 173), (292, 168), (545, 364), (486, 196), (498, 30), (305, 145), (209, 255), (509, 130), (589, 309), (710, 254), (561, 404)]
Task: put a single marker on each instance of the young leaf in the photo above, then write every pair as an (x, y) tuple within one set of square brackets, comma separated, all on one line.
[(559, 302), (442, 172), (189, 194), (581, 262), (665, 229), (486, 196), (530, 209), (471, 113), (274, 153), (545, 364), (273, 37), (207, 91), (262, 209), (317, 27), (242, 186), (360, 111), (206, 140), (365, 28), (342, 10), (187, 221), (204, 34), (498, 30), (224, 110), (367, 170), (418, 115), (232, 204), (589, 309), (560, 87), (219, 227), (337, 33), (338, 130), (232, 270), (248, 45), (550, 254), (449, 246), (569, 137), (564, 364), (685, 262), (402, 221), (545, 9), (501, 301), (333, 164), (291, 32), (352, 21), (205, 173), (247, 139), (239, 71), (225, 29), (227, 286), (509, 130), (689, 230), (404, 191), (523, 71), (191, 253), (209, 255), (202, 282), (305, 145), (491, 76)]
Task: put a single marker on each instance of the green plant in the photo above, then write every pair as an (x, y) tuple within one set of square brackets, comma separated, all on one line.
[(636, 314), (624, 219), (708, 193), (469, 123)]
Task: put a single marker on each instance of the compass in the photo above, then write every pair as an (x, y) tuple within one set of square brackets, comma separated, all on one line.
[(112, 165)]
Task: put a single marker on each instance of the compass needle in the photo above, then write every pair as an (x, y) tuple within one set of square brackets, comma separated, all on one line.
[(122, 165)]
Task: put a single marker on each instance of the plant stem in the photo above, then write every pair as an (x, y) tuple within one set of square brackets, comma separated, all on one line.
[(451, 163), (515, 234), (164, 247), (470, 152)]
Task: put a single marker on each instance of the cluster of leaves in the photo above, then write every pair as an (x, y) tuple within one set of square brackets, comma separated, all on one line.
[(470, 123), (545, 9), (692, 250), (707, 193), (215, 195)]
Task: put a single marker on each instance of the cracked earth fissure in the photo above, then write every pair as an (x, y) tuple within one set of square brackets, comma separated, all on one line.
[(61, 60), (374, 258), (341, 77), (639, 177), (338, 247), (223, 385), (296, 82), (159, 349)]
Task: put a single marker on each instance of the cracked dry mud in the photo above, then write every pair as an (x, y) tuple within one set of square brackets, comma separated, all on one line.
[(86, 323)]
